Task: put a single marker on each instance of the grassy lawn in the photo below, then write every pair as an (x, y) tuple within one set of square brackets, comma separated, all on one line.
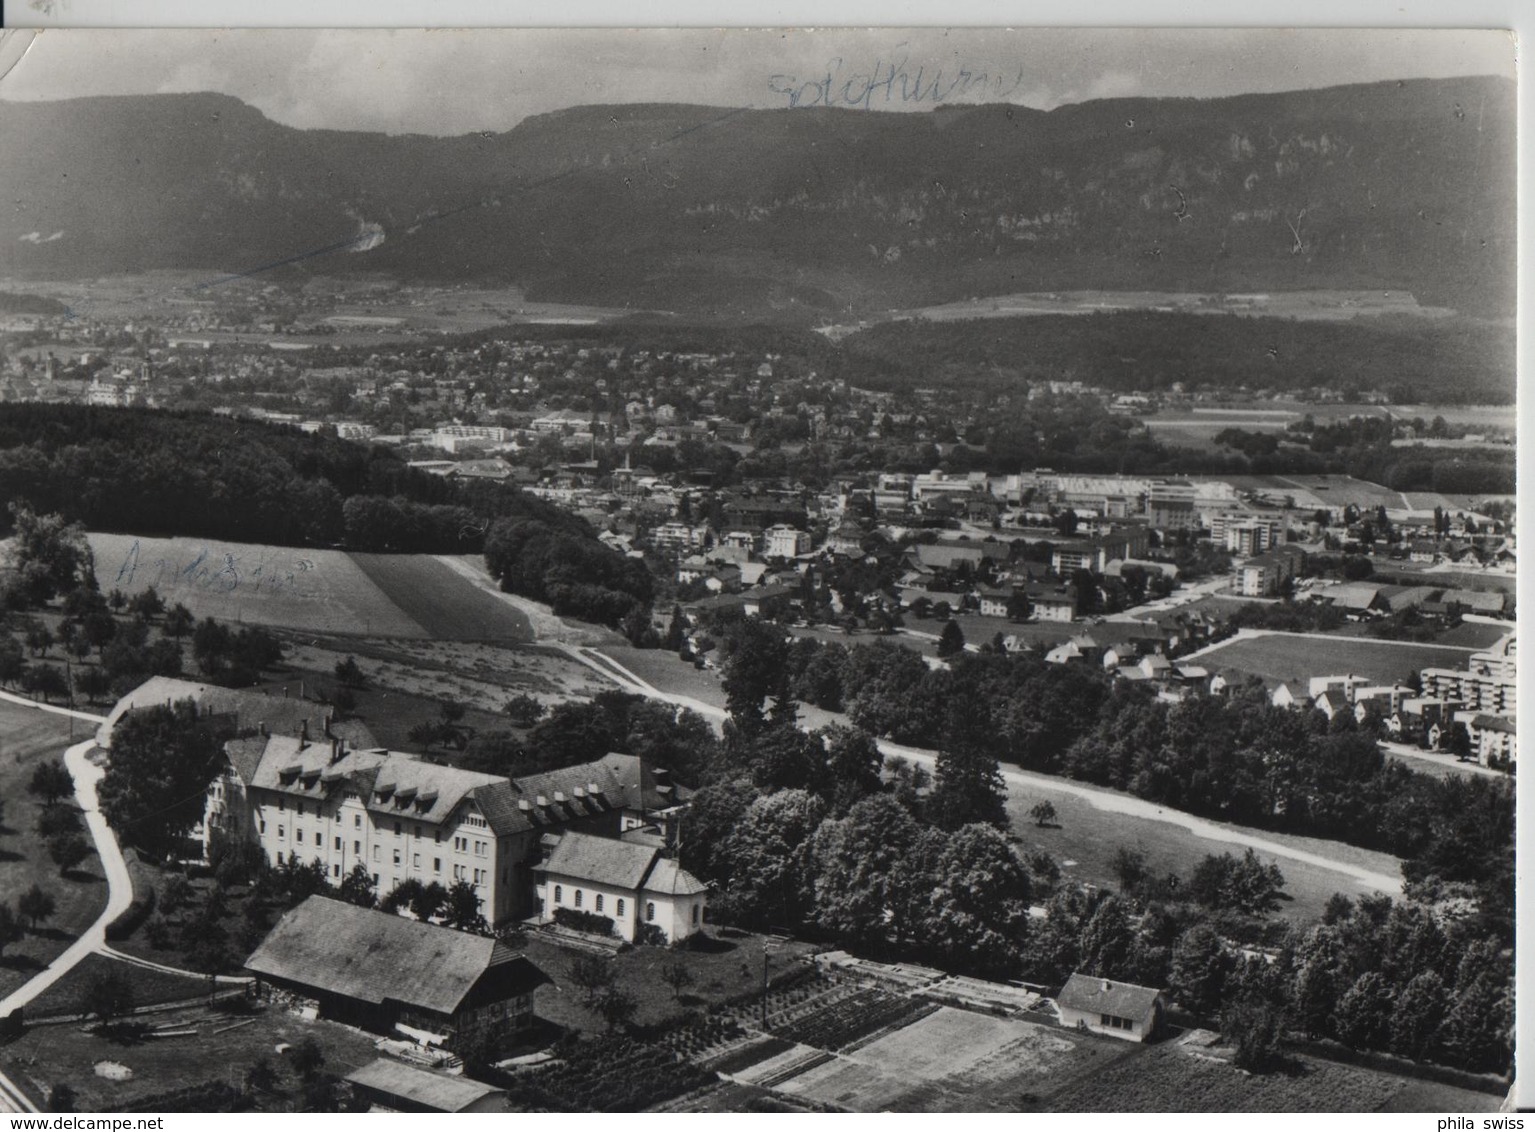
[(1281, 656), (731, 966), (27, 738), (285, 587), (442, 601), (1176, 1078), (46, 1055), (1083, 840), (668, 673), (69, 994)]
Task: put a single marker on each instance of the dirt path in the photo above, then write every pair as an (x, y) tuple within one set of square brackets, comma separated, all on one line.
[(1022, 780)]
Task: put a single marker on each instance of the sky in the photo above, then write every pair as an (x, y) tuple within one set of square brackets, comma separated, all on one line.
[(455, 82)]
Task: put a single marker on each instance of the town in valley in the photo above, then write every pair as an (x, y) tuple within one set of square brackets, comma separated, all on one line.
[(835, 642)]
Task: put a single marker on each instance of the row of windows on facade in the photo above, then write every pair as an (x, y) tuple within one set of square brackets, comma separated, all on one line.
[(579, 896), (460, 872), (460, 844), (1114, 1022), (468, 819)]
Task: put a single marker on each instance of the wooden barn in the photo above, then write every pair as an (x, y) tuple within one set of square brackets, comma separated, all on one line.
[(390, 974)]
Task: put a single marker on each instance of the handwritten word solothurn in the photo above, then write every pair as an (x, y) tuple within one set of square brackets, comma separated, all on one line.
[(218, 573), (891, 82)]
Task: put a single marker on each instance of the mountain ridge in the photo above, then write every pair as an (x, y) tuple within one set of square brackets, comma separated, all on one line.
[(793, 214)]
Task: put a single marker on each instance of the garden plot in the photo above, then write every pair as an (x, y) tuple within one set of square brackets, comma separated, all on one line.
[(952, 1060)]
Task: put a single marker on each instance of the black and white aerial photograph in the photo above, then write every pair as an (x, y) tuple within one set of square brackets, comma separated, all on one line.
[(758, 571)]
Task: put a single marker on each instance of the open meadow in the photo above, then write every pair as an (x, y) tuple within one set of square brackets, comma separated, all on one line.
[(441, 600), (282, 587), (1084, 841), (28, 738), (1296, 658)]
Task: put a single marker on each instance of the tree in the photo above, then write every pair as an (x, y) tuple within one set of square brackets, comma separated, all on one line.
[(1419, 1014), (357, 887), (978, 909), (61, 1098), (428, 900), (46, 680), (707, 823), (770, 882), (676, 631), (1363, 1017), (755, 668), (36, 905), (147, 605), (108, 997), (11, 930), (1043, 813), (967, 785), (853, 762), (859, 862), (261, 1077), (93, 683), (349, 672), (178, 622), (616, 1008), (951, 641), (176, 894), (50, 783), (675, 974), (401, 895), (1253, 1027), (592, 975), (50, 557), (39, 638), (307, 1058), (56, 820), (461, 907), (67, 850), (1106, 940), (163, 758), (524, 710), (13, 659), (1200, 966)]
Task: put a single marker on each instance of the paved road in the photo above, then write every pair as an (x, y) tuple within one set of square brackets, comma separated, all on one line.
[(119, 887), (1022, 781)]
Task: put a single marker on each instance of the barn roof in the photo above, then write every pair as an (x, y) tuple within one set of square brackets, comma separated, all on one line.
[(375, 956)]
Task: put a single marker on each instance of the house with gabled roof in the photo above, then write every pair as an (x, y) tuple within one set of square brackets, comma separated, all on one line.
[(1114, 1009), (392, 975), (629, 882)]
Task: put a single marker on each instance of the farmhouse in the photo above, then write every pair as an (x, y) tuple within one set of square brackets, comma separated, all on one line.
[(391, 1086), (1118, 1010), (627, 882), (388, 974)]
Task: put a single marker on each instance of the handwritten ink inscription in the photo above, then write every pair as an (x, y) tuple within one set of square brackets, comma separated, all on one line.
[(213, 572), (893, 82)]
